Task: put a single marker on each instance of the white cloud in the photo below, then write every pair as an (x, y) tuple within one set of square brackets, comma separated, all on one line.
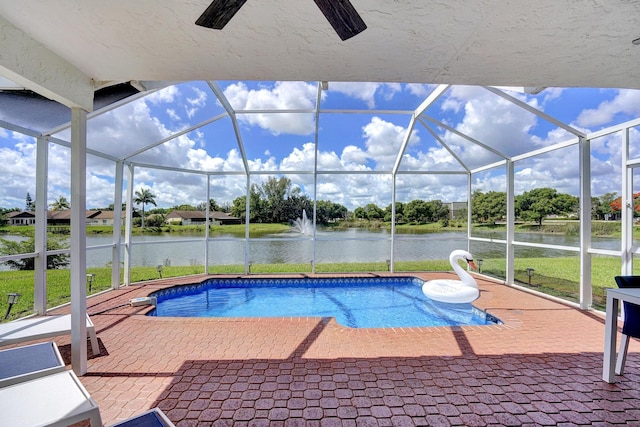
[(383, 141), (172, 114), (196, 103), (366, 92), (491, 120), (551, 94), (166, 95), (17, 174), (363, 91), (354, 155), (627, 101), (299, 159), (282, 96), (420, 90)]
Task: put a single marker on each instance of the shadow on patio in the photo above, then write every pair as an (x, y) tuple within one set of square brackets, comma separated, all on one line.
[(543, 367)]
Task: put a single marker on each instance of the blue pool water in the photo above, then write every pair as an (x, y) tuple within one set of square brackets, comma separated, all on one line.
[(354, 302)]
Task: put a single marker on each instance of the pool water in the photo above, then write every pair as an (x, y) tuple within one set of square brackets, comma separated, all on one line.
[(354, 302)]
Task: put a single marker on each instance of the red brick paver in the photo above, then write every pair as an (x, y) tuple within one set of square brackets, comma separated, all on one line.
[(542, 367)]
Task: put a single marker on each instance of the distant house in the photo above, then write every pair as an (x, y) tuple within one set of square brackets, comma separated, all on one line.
[(223, 218), (104, 218), (21, 218), (199, 217), (64, 217), (61, 218)]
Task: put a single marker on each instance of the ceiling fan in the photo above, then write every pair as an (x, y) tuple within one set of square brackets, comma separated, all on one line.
[(341, 14)]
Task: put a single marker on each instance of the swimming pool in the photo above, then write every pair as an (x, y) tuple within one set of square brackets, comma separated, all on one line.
[(354, 302)]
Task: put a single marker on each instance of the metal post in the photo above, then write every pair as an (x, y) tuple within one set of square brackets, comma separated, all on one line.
[(117, 226), (90, 278), (40, 262), (12, 299), (530, 273)]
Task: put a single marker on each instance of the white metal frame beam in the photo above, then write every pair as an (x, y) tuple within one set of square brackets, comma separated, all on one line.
[(627, 208), (128, 225), (535, 111), (117, 225), (509, 250), (40, 262), (586, 291)]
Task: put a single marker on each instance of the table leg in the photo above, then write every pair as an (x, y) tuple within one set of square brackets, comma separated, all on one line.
[(610, 335)]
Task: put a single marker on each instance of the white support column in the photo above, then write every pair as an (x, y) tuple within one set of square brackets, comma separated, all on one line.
[(510, 253), (78, 240), (40, 262), (128, 226), (627, 209), (117, 226), (586, 290), (206, 230), (246, 228), (392, 258), (469, 211)]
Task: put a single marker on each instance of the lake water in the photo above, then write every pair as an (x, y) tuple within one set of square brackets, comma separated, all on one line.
[(353, 245)]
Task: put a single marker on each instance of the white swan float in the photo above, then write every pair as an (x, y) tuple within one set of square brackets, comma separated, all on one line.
[(460, 291)]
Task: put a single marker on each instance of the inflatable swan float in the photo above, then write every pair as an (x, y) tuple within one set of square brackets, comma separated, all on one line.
[(460, 291)]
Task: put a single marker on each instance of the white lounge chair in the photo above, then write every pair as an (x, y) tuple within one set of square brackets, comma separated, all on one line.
[(21, 364), (40, 327), (53, 400), (151, 418)]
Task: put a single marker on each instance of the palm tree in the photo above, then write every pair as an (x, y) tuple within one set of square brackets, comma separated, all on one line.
[(61, 204), (144, 196)]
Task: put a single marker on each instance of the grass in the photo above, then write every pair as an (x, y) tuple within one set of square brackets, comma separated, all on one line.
[(561, 276)]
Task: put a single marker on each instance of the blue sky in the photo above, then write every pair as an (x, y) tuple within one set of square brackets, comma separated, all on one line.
[(365, 139)]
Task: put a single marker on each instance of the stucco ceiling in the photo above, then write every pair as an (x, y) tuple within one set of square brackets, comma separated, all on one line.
[(486, 42)]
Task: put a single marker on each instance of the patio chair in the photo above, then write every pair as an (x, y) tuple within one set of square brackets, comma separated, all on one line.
[(631, 324), (39, 327), (151, 418), (28, 362), (52, 400)]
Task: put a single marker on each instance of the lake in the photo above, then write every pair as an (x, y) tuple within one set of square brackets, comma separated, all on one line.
[(352, 245)]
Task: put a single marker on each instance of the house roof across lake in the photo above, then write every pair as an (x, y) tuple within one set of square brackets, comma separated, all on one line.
[(199, 217)]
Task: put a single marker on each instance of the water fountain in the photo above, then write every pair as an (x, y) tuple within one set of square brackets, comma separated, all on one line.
[(303, 225)]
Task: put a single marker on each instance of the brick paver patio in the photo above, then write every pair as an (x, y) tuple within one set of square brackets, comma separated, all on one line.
[(542, 367)]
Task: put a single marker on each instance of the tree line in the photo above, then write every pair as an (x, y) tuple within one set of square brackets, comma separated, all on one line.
[(277, 200), (540, 203)]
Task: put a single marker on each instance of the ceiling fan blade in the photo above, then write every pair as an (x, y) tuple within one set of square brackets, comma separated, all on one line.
[(219, 13), (343, 17)]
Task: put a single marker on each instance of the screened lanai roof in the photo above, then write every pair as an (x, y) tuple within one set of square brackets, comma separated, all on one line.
[(95, 54), (104, 56), (100, 56), (66, 50), (304, 128)]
